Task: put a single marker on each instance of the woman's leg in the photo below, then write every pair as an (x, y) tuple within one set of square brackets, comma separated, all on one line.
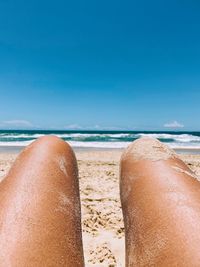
[(161, 206), (40, 218)]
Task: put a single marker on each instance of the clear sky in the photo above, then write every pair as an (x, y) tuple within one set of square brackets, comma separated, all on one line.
[(100, 64)]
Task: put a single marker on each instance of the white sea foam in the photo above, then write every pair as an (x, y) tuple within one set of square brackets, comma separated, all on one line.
[(73, 144), (77, 135), (116, 145), (16, 143), (15, 136), (71, 135), (187, 138), (102, 140), (119, 135), (175, 137), (99, 144)]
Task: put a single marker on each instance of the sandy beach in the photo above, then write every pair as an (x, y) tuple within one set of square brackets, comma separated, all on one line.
[(102, 222)]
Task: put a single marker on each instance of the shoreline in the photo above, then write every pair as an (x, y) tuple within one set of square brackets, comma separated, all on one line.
[(179, 150)]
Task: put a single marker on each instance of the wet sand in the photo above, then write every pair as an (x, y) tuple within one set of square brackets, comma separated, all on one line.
[(102, 222)]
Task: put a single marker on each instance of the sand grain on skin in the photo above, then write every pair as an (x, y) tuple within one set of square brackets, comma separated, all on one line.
[(148, 149)]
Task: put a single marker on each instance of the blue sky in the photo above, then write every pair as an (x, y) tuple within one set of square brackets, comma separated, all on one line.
[(100, 64)]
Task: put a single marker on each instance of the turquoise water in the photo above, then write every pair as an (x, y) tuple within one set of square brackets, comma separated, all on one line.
[(100, 139)]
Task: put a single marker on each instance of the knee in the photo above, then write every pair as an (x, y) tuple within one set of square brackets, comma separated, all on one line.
[(50, 140), (147, 149), (50, 143)]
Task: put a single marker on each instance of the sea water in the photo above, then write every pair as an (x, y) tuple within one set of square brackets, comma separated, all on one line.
[(101, 139)]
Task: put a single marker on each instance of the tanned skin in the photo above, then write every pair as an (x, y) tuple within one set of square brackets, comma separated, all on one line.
[(160, 198), (40, 216)]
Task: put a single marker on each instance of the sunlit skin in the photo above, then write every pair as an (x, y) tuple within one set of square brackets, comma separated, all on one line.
[(161, 206), (40, 219)]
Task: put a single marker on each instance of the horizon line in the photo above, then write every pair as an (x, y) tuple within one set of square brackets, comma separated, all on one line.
[(97, 130)]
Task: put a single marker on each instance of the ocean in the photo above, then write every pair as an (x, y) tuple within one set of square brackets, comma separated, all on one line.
[(100, 139)]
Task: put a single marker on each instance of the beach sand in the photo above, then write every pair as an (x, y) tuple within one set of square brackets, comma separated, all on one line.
[(102, 222)]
